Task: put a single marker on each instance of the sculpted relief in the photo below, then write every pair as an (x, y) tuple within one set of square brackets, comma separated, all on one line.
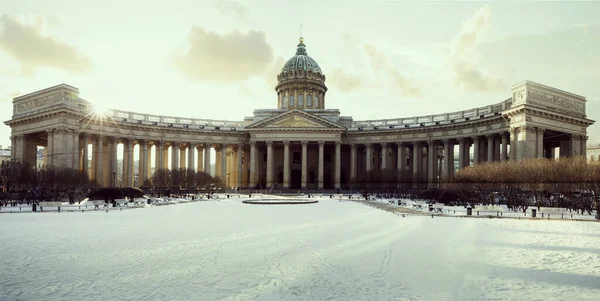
[(548, 99), (294, 122), (44, 101)]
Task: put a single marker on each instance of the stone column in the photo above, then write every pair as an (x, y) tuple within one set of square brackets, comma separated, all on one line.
[(98, 161), (321, 163), (476, 148), (384, 155), (240, 170), (338, 165), (175, 155), (269, 164), (513, 132), (76, 149), (182, 160), (461, 152), (224, 163), (127, 170), (207, 158), (539, 150), (253, 171), (490, 147), (158, 146), (527, 143), (114, 161), (432, 164), (85, 164), (190, 155), (143, 169), (200, 150), (448, 158), (369, 157), (418, 160), (504, 147), (304, 164), (401, 160), (353, 162), (286, 164)]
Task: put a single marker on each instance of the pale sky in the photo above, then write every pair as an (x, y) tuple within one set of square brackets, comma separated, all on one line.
[(219, 60)]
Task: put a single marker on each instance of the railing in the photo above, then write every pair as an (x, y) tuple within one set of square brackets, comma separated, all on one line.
[(134, 116), (429, 119)]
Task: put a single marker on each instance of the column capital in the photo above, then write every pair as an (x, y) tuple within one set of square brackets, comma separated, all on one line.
[(252, 143), (489, 136), (338, 142), (513, 130), (240, 146), (383, 144), (321, 142), (447, 141), (304, 142), (47, 131), (286, 142), (475, 138), (540, 130), (353, 146), (269, 143)]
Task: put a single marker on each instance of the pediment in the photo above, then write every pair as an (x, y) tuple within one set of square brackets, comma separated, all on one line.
[(296, 119)]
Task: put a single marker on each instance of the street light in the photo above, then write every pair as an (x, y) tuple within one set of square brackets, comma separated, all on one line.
[(228, 181), (114, 179)]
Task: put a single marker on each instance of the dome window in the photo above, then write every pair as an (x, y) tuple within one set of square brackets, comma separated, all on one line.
[(309, 100), (300, 100), (291, 101)]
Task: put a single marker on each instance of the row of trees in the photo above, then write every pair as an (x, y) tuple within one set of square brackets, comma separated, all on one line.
[(568, 182), (21, 183), (181, 182)]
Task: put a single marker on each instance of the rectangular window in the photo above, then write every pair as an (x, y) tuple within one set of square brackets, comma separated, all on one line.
[(300, 100), (309, 101), (317, 101), (285, 104), (291, 101)]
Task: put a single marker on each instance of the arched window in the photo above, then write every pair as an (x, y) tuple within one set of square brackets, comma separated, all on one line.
[(317, 101), (291, 101), (300, 100), (309, 101), (284, 103)]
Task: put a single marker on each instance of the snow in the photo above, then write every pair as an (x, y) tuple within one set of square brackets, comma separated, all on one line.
[(226, 250)]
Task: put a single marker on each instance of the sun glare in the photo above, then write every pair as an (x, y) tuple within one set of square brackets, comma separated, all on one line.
[(99, 110)]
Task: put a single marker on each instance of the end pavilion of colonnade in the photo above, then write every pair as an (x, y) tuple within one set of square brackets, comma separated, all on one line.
[(301, 144)]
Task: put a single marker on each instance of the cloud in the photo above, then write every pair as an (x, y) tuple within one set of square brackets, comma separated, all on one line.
[(380, 63), (406, 87), (464, 57), (236, 9), (26, 43), (377, 59), (233, 56), (343, 81), (273, 70)]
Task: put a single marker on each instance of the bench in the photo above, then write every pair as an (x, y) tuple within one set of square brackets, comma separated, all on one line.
[(438, 208), (489, 208), (551, 211)]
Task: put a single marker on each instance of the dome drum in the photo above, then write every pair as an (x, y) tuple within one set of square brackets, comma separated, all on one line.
[(301, 83)]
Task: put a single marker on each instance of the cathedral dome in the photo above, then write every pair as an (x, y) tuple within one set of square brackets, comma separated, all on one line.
[(301, 83), (301, 61), (301, 66)]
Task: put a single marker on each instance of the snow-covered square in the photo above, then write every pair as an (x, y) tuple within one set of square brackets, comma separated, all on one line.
[(331, 250)]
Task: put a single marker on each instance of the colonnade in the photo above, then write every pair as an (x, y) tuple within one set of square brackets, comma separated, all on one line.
[(292, 164)]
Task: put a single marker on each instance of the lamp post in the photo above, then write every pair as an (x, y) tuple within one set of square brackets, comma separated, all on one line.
[(114, 179), (228, 181)]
